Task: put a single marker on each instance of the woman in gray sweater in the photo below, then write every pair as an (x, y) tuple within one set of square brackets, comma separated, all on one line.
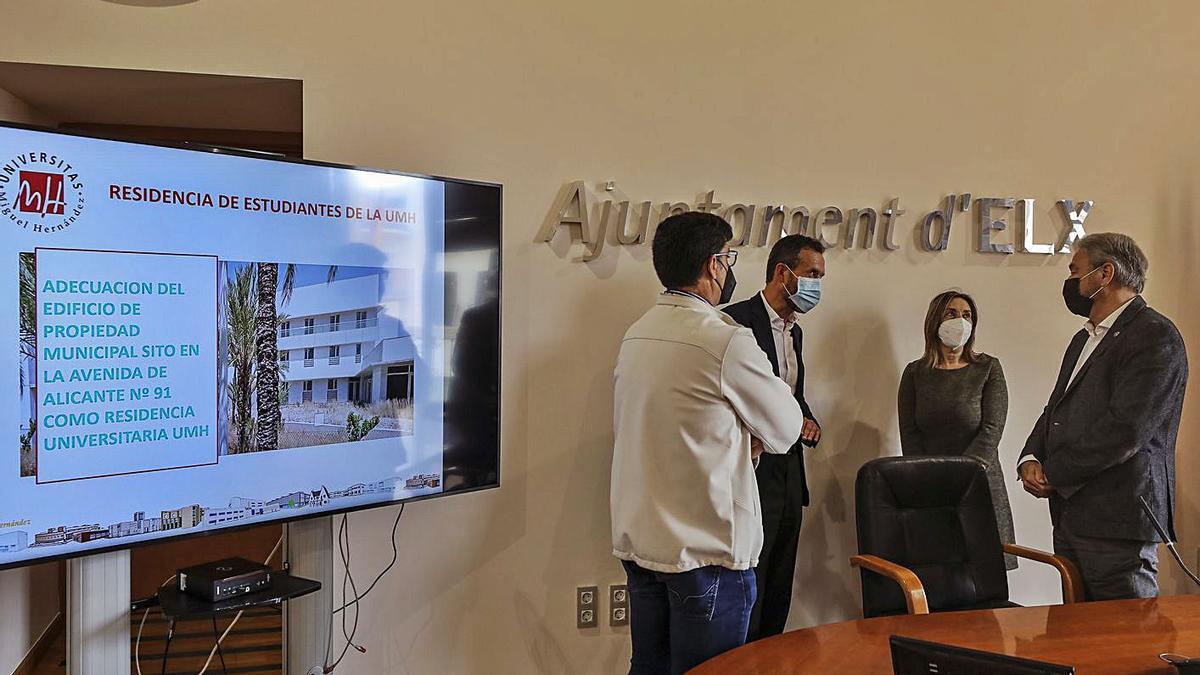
[(953, 401)]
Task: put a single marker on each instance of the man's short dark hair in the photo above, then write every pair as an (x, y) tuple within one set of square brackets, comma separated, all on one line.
[(684, 242), (787, 251)]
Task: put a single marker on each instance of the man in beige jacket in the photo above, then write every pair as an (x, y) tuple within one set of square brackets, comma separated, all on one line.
[(695, 401)]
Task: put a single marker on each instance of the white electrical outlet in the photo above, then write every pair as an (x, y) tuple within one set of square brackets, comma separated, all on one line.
[(618, 605), (586, 607)]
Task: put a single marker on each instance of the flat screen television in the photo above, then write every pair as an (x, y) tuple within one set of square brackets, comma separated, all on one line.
[(207, 339)]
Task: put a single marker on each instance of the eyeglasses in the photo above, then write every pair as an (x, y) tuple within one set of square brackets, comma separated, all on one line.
[(732, 255)]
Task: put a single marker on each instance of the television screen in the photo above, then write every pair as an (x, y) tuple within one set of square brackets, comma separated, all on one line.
[(209, 339)]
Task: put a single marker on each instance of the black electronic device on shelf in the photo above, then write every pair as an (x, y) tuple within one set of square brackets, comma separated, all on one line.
[(177, 605), (224, 579)]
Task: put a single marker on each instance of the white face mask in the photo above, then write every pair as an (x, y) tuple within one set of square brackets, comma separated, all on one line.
[(954, 333)]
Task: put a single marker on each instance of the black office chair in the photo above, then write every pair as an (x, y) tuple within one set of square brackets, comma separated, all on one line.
[(927, 539)]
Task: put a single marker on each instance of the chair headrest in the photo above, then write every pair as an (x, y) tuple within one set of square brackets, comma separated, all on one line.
[(920, 482)]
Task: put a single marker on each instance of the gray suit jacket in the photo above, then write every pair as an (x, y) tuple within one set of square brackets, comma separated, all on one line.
[(1109, 437)]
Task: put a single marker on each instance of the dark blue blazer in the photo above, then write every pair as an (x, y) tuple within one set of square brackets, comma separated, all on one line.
[(753, 315)]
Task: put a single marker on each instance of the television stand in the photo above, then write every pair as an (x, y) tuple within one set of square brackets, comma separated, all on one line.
[(177, 605)]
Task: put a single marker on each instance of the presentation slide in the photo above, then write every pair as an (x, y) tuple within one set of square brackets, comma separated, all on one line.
[(124, 362), (209, 340)]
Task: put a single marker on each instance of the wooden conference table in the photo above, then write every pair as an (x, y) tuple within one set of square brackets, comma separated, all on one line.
[(1123, 636)]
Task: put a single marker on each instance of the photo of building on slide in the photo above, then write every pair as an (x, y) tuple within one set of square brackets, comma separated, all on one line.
[(312, 356)]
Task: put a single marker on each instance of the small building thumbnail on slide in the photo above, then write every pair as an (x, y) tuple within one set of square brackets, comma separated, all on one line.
[(325, 362)]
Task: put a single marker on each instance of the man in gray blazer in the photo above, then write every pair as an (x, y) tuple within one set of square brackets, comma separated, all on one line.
[(1107, 435)]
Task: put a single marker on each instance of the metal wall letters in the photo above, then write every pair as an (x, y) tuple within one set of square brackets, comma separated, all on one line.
[(987, 226), (946, 216), (1076, 218), (1027, 245), (853, 219), (890, 214), (620, 222), (827, 217)]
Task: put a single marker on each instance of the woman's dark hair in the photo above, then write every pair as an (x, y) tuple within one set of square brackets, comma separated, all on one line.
[(683, 243), (933, 321)]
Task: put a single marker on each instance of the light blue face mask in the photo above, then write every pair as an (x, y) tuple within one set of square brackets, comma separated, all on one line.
[(807, 295)]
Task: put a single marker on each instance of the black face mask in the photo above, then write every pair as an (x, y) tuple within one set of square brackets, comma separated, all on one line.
[(727, 289), (1078, 304)]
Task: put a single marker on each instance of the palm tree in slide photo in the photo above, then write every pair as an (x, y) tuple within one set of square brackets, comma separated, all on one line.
[(266, 337)]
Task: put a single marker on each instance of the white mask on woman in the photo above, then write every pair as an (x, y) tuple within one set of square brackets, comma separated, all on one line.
[(954, 333)]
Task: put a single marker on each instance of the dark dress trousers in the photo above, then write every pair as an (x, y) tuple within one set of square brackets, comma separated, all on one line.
[(1108, 437), (782, 489)]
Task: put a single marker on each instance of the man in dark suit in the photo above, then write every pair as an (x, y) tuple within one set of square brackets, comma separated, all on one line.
[(795, 268), (1107, 436)]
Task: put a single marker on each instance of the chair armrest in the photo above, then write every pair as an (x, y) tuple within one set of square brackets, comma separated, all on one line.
[(914, 591), (1072, 580)]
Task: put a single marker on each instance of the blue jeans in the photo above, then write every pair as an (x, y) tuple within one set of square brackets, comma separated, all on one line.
[(678, 621)]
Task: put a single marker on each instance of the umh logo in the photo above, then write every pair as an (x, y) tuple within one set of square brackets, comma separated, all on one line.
[(40, 193)]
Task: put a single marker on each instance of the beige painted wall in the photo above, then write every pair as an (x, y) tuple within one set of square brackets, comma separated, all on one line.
[(30, 603), (13, 109), (802, 103)]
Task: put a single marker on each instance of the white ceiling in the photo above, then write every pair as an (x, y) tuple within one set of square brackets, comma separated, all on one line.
[(71, 94)]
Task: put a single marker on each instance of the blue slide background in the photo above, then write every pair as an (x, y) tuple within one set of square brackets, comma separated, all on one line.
[(232, 235)]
